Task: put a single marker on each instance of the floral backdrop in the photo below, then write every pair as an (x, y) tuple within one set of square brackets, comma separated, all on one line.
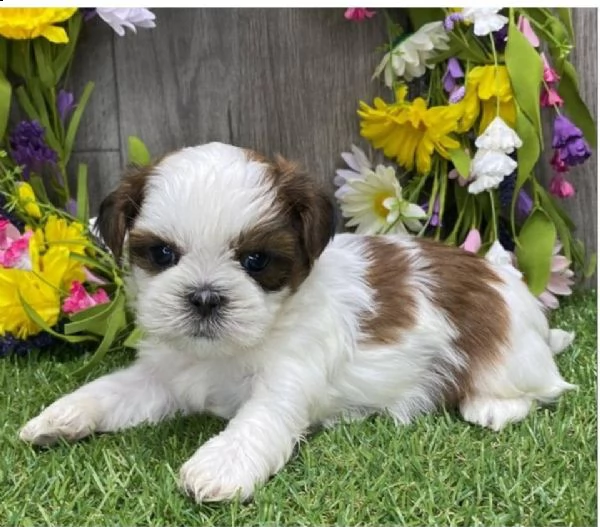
[(459, 159)]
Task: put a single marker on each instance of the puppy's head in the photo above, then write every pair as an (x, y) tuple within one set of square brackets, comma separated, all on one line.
[(218, 239)]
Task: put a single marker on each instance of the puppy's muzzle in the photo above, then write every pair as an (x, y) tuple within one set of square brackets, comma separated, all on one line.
[(206, 301)]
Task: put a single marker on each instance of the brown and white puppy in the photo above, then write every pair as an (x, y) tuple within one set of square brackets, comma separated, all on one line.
[(252, 312)]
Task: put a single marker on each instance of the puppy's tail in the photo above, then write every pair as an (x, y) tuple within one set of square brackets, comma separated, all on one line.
[(559, 340)]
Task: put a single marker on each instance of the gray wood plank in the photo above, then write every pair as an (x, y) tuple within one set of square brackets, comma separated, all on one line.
[(99, 128)]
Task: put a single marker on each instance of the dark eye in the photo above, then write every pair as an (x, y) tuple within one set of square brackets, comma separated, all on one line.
[(255, 262), (163, 255)]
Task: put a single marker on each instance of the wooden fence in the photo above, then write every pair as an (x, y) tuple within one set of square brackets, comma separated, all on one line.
[(277, 80)]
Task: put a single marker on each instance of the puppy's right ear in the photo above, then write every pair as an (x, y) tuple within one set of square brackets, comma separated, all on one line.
[(120, 208)]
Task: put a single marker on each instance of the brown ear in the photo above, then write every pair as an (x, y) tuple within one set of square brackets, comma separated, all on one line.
[(120, 208), (310, 208)]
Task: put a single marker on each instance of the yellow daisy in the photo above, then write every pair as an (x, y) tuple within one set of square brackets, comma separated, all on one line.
[(409, 131), (28, 23)]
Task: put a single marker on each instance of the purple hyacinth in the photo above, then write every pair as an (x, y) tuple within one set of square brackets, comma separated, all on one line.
[(506, 190), (501, 38), (524, 204), (65, 102), (434, 221), (10, 345), (28, 148), (568, 140), (505, 236), (451, 19), (453, 72)]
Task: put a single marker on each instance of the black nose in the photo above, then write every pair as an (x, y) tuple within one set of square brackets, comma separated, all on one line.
[(206, 301)]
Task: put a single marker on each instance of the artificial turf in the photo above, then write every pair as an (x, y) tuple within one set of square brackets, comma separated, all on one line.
[(437, 471)]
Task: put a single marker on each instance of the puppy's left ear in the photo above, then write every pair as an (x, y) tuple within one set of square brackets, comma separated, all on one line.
[(312, 211)]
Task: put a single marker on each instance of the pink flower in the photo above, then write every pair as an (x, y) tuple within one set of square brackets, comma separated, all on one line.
[(549, 74), (472, 242), (358, 14), (525, 28), (560, 187), (561, 279), (558, 164), (550, 97), (14, 246), (79, 299)]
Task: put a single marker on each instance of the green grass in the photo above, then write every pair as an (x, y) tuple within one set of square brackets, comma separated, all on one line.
[(439, 470)]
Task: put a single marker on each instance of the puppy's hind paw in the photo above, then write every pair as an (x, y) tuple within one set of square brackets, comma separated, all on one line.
[(559, 340)]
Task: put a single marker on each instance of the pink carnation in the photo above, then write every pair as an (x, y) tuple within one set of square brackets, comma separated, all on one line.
[(358, 13), (561, 188), (14, 246), (79, 299)]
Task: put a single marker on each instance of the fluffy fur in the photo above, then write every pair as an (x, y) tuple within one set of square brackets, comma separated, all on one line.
[(328, 330)]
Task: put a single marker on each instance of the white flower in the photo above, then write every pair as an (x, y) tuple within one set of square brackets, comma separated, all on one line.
[(131, 17), (500, 257), (499, 136), (358, 164), (409, 58), (485, 19), (489, 168), (374, 203)]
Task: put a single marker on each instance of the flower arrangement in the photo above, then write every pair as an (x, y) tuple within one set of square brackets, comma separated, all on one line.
[(57, 280), (467, 149)]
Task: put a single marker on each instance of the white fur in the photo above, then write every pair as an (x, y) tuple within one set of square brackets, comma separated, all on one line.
[(283, 361)]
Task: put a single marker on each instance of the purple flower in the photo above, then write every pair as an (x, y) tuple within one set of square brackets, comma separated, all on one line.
[(434, 221), (524, 204), (456, 95), (451, 19), (28, 148), (11, 345), (88, 13), (501, 37), (71, 207), (453, 72), (65, 102), (568, 140)]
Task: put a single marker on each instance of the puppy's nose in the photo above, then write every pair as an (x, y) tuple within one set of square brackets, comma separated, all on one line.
[(206, 301)]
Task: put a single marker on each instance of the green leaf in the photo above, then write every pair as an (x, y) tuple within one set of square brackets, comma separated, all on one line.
[(43, 62), (527, 155), (37, 184), (552, 209), (19, 57), (116, 322), (564, 15), (75, 120), (525, 70), (25, 103), (83, 210), (137, 153), (39, 321), (421, 16), (5, 98), (3, 55), (92, 319), (134, 337), (534, 251), (35, 90), (461, 161), (590, 268), (576, 109), (66, 53)]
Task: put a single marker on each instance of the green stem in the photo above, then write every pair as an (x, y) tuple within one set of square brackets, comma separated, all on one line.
[(495, 74), (494, 220)]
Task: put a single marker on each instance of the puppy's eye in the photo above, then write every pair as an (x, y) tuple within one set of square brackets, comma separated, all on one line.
[(255, 262), (163, 255)]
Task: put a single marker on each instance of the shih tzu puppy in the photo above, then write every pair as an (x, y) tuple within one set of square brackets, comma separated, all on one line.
[(252, 310)]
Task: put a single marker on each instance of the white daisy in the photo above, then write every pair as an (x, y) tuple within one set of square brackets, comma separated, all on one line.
[(358, 165), (374, 204), (409, 58)]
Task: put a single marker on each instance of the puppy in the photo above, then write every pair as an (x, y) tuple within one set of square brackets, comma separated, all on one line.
[(253, 312)]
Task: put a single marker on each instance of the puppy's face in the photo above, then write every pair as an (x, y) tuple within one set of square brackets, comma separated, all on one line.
[(218, 239)]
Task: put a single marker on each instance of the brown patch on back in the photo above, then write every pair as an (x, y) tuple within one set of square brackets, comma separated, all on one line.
[(252, 155), (396, 307), (465, 292), (120, 208)]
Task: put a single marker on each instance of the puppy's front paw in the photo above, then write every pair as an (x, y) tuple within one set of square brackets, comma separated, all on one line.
[(71, 420), (220, 470)]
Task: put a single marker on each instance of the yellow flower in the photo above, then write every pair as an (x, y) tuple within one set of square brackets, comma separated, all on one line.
[(27, 199), (28, 23), (487, 90), (40, 288), (59, 231), (410, 132)]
